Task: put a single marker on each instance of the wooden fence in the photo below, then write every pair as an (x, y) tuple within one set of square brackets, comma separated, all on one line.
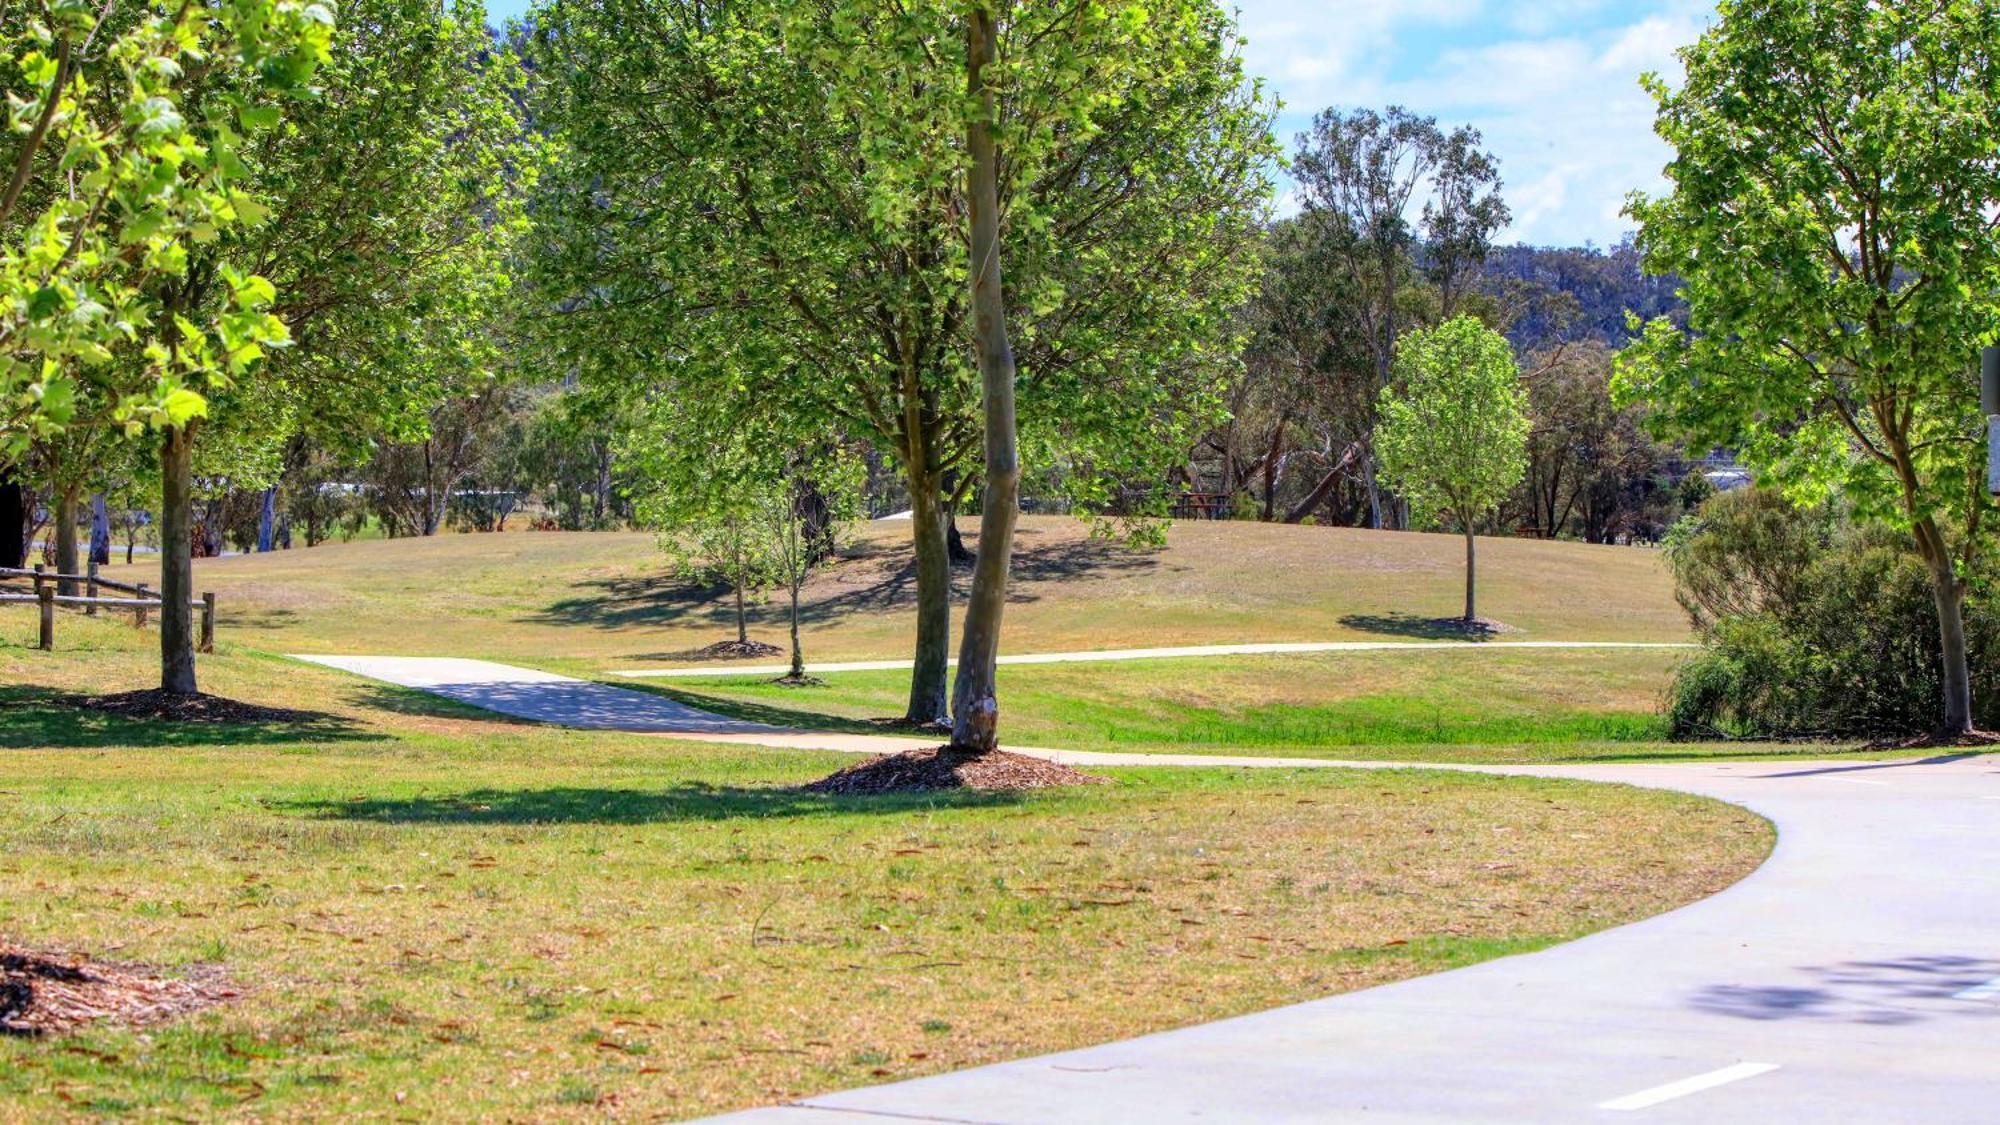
[(47, 596)]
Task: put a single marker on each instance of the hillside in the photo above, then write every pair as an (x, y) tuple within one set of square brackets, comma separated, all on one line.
[(603, 600)]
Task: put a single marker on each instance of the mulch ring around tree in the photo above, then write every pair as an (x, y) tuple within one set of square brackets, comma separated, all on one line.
[(942, 768), (176, 707), (56, 993), (731, 650)]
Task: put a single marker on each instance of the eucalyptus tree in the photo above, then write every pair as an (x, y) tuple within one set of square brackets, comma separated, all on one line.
[(1831, 210), (1454, 430), (1391, 195), (764, 203)]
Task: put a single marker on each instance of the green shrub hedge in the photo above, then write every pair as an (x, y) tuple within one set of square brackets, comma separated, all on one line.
[(1811, 627)]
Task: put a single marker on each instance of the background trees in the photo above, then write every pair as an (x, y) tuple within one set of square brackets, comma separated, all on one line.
[(1831, 214), (1389, 195), (1454, 428)]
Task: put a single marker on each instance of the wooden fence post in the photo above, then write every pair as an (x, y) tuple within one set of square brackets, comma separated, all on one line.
[(90, 588), (208, 622), (139, 615), (48, 596)]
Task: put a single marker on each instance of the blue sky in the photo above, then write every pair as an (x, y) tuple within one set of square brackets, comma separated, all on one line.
[(1553, 85)]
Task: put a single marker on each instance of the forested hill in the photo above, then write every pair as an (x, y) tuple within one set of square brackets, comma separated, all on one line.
[(1603, 284)]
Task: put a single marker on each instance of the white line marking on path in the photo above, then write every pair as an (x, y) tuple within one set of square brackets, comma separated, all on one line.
[(1987, 991), (1647, 1098)]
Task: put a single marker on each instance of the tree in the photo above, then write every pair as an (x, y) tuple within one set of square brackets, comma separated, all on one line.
[(1454, 429), (759, 511), (975, 707), (1593, 468), (1361, 175), (1831, 211), (819, 490), (764, 203), (113, 175)]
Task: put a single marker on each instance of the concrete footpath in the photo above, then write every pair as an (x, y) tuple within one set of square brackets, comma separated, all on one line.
[(1853, 978)]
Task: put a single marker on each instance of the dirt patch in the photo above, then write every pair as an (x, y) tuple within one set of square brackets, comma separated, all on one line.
[(57, 993), (920, 771), (175, 707)]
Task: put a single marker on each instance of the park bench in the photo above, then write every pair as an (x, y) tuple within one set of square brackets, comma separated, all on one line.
[(47, 596), (1202, 506)]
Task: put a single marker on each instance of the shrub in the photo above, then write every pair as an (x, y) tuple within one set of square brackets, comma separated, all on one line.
[(1811, 626)]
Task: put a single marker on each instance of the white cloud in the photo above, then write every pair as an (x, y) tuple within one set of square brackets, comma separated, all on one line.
[(1552, 86)]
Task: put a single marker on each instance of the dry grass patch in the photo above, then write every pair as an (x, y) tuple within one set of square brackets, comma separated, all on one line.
[(435, 916), (585, 601)]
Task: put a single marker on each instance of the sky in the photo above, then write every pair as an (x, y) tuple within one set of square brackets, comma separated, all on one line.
[(1553, 85)]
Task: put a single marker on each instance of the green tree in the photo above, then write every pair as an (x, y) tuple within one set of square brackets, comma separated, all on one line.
[(1454, 428), (113, 176), (1831, 213), (763, 203)]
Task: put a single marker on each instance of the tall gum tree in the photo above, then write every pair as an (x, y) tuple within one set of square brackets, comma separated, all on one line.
[(764, 203), (1834, 213)]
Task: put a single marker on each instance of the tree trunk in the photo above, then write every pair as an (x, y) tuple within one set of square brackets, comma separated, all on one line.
[(267, 522), (954, 543), (975, 700), (798, 652), (1949, 593), (177, 561), (1471, 572), (928, 678), (67, 559), (742, 620), (100, 530), (13, 524)]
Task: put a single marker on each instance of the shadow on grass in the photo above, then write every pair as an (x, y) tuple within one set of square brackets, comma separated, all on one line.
[(617, 603), (37, 718), (688, 802), (1412, 626)]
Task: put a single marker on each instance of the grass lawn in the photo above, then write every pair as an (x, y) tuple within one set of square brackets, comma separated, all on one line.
[(583, 602), (1462, 706), (432, 914)]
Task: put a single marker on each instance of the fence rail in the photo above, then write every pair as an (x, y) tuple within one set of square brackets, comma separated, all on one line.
[(47, 596)]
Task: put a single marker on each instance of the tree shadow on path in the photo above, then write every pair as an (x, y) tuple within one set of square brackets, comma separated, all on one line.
[(1885, 992)]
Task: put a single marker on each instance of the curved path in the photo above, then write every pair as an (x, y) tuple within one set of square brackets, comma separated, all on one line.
[(1854, 977)]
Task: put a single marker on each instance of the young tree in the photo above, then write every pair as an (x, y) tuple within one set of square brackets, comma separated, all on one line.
[(764, 202), (1454, 428), (1390, 194), (1831, 211), (818, 490)]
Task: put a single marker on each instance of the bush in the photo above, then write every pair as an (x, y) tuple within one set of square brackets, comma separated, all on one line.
[(1811, 626)]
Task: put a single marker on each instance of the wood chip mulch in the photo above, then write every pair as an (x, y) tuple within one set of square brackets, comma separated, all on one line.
[(940, 768), (56, 993), (733, 650), (175, 707)]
